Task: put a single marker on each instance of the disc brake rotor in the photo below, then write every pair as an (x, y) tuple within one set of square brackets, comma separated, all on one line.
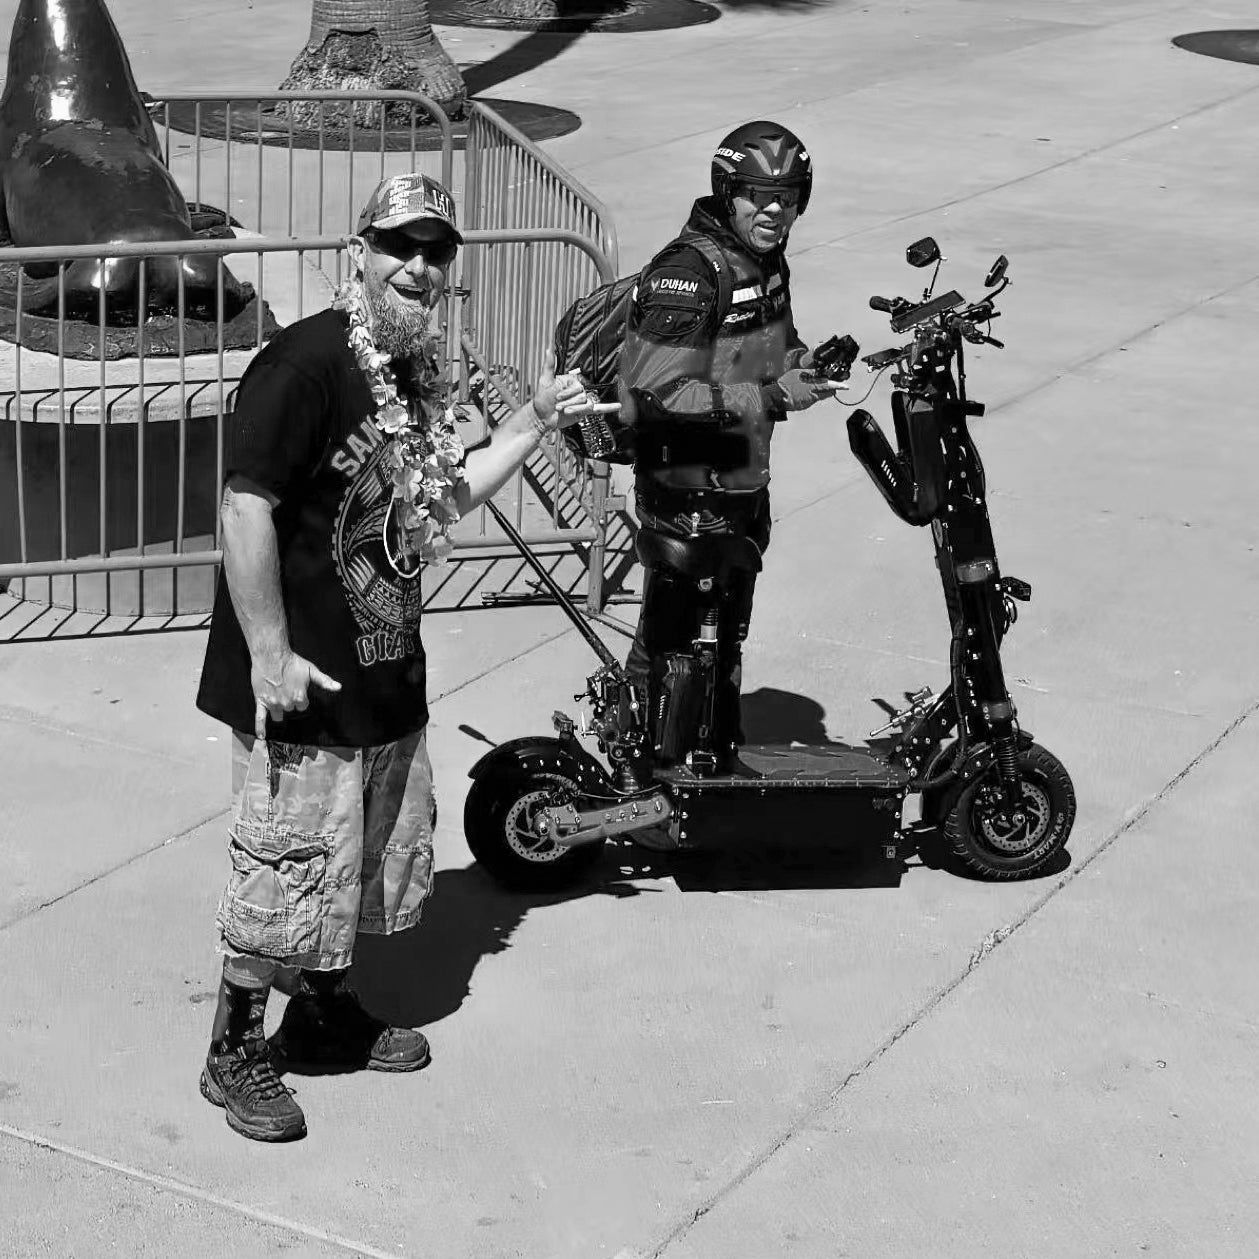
[(519, 830), (1021, 838)]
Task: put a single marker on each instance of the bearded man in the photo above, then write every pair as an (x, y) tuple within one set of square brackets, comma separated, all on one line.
[(345, 477)]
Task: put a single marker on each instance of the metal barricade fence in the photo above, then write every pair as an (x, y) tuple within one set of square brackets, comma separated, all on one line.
[(283, 174), (516, 292), (112, 464), (504, 334), (511, 183), (141, 442), (112, 467)]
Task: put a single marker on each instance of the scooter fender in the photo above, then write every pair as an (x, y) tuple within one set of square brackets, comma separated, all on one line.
[(540, 752)]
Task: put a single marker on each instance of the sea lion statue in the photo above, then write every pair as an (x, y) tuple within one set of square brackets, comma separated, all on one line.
[(80, 164)]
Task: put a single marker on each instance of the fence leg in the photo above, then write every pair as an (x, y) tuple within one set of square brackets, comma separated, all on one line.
[(600, 476)]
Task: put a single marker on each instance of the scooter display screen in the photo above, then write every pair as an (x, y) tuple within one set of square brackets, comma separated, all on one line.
[(928, 310)]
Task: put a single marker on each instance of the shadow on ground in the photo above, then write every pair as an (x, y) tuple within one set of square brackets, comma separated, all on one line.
[(528, 54), (422, 976)]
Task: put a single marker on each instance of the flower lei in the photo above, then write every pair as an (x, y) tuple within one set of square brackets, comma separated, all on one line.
[(426, 453)]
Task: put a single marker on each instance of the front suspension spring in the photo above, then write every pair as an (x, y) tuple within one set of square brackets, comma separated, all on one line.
[(1008, 758)]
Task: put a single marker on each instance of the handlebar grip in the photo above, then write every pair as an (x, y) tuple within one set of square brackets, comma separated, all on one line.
[(884, 304)]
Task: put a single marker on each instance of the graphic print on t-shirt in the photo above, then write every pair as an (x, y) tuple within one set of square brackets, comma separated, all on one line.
[(385, 603)]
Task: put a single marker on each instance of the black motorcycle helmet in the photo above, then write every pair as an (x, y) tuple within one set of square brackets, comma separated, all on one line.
[(766, 155)]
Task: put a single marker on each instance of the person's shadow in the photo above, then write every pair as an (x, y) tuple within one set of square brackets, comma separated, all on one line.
[(774, 716), (420, 976)]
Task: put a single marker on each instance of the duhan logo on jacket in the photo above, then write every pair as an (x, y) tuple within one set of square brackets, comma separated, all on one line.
[(675, 284)]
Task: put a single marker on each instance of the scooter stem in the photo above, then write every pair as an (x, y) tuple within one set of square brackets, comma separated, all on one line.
[(565, 603)]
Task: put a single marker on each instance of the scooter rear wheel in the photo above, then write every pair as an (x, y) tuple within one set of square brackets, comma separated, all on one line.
[(498, 822), (998, 850)]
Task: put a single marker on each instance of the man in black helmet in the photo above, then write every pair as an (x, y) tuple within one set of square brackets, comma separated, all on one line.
[(711, 365)]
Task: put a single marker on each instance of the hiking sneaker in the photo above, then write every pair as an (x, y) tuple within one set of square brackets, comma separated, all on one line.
[(333, 1031), (244, 1083)]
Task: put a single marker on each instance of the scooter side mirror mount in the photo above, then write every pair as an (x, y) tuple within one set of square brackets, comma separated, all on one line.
[(922, 253)]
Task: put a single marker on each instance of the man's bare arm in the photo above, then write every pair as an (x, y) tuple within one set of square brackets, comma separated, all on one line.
[(251, 562), (281, 679), (489, 467)]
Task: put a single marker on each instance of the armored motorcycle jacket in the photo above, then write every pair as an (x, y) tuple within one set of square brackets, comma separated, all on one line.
[(697, 380)]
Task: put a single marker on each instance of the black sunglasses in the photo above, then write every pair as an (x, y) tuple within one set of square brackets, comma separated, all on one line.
[(399, 244), (761, 196)]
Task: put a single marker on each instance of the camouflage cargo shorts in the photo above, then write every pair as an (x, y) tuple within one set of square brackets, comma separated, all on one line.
[(324, 843)]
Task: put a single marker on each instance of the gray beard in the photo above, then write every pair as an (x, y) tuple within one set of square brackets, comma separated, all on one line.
[(399, 329)]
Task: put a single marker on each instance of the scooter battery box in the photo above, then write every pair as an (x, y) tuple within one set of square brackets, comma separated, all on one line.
[(833, 795)]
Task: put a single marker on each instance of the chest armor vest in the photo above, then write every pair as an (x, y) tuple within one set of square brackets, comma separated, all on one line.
[(751, 348), (752, 341)]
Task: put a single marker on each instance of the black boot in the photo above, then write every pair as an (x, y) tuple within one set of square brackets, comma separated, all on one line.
[(240, 1076), (325, 1027)]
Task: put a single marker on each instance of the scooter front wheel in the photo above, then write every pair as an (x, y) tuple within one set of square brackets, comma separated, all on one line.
[(997, 848), (499, 823)]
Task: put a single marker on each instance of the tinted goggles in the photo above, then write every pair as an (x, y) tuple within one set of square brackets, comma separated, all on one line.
[(402, 245), (761, 195)]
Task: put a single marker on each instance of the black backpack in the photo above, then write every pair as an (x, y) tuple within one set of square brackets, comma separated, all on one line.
[(589, 337)]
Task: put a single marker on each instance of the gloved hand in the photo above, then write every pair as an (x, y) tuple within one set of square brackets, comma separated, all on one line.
[(801, 388), (833, 358)]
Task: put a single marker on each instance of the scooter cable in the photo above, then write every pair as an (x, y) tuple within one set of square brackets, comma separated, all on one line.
[(843, 402), (963, 744)]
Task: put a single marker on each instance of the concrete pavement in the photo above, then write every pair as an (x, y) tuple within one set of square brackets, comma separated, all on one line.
[(777, 1056)]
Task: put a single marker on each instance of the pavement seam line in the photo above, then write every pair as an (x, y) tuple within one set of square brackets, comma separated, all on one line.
[(191, 1191), (993, 940), (122, 865), (1130, 339), (24, 717)]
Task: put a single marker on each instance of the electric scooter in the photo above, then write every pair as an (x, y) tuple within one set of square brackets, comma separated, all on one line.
[(540, 808)]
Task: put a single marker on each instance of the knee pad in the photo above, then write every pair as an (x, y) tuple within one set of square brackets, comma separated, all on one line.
[(679, 708)]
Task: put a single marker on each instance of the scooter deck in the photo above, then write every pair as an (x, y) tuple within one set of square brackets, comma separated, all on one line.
[(829, 795), (796, 766)]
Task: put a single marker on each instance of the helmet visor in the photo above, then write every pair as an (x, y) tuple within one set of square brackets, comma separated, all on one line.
[(764, 195)]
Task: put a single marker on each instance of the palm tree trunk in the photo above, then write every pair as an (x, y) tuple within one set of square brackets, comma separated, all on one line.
[(372, 45)]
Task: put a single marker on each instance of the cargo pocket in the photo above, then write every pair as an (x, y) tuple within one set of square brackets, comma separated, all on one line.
[(275, 900), (665, 321), (408, 881)]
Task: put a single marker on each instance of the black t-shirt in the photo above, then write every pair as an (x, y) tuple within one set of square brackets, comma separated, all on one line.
[(304, 429)]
